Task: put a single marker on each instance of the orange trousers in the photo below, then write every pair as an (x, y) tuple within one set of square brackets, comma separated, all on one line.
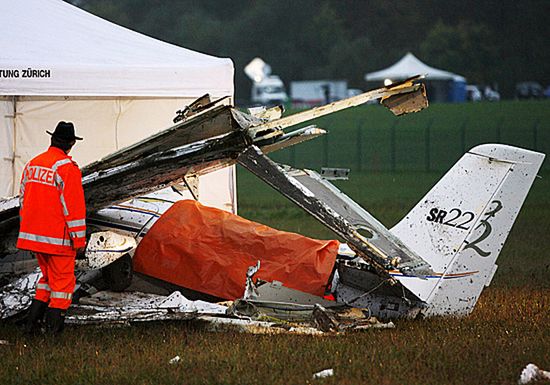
[(56, 286)]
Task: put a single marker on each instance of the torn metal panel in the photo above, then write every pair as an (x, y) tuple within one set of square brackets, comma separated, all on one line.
[(357, 284), (91, 315), (192, 183), (250, 289), (219, 324), (9, 225), (274, 302), (160, 169), (363, 222), (276, 292), (104, 248), (17, 296), (404, 87), (406, 103), (267, 113), (110, 307), (262, 309), (207, 124), (291, 138), (357, 227), (329, 320), (199, 105)]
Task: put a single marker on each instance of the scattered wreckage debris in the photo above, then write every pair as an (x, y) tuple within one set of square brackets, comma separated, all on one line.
[(253, 313), (404, 103), (324, 373), (174, 360), (107, 308), (531, 373), (110, 308), (17, 296), (427, 265)]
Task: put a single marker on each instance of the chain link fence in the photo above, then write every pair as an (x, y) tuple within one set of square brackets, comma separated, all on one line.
[(430, 142)]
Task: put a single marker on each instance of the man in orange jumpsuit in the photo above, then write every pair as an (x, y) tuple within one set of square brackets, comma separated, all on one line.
[(53, 226)]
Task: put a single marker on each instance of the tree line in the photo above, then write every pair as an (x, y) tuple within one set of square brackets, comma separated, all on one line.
[(495, 42)]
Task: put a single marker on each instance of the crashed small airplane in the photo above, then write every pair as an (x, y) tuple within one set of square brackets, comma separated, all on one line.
[(436, 261)]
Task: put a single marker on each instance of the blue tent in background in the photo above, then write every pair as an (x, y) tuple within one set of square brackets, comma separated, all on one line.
[(443, 86)]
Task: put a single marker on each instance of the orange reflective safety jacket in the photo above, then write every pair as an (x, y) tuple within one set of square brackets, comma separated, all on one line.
[(53, 210)]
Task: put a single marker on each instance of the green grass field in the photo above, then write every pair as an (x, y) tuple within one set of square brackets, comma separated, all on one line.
[(509, 328), (370, 138)]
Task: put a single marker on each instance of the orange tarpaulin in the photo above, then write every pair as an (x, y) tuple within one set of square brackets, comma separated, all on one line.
[(209, 250)]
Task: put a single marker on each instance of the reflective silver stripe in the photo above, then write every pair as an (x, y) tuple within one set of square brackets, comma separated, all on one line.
[(60, 294), (22, 186), (59, 182), (62, 199), (60, 163), (43, 239), (76, 222), (78, 234), (43, 286)]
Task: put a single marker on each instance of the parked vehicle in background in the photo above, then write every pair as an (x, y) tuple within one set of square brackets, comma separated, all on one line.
[(267, 89), (477, 93), (529, 90), (547, 92), (311, 93), (473, 94), (270, 91), (491, 94)]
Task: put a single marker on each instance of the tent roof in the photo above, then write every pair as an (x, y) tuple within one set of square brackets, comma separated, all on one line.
[(86, 55), (409, 65)]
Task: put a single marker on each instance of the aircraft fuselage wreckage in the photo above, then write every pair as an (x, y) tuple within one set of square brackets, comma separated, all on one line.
[(436, 261)]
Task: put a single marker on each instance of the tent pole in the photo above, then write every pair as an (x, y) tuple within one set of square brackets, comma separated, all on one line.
[(14, 142)]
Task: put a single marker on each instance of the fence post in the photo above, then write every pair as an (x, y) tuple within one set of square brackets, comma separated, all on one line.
[(392, 145), (325, 150), (463, 136), (427, 144), (499, 124), (535, 131), (359, 147)]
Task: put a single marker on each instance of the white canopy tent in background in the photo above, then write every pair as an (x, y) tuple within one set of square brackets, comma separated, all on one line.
[(409, 65), (59, 62)]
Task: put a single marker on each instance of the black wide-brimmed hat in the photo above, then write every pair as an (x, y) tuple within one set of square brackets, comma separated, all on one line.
[(64, 131)]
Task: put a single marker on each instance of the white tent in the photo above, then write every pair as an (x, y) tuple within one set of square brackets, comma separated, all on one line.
[(409, 65), (59, 62)]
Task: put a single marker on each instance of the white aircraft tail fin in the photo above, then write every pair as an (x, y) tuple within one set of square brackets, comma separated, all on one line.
[(460, 226)]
